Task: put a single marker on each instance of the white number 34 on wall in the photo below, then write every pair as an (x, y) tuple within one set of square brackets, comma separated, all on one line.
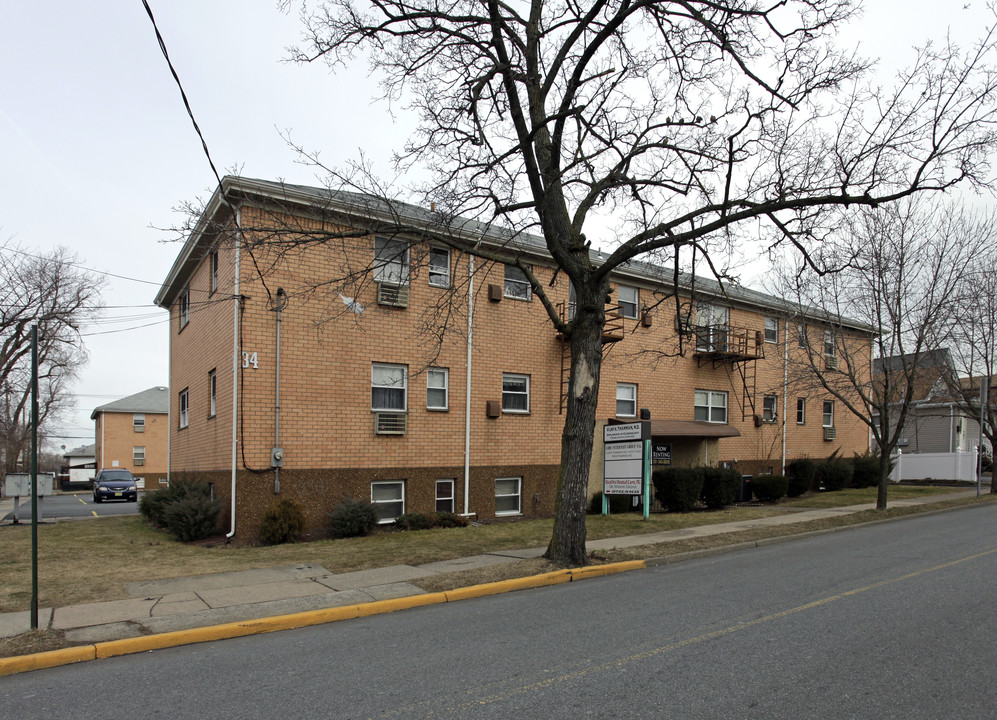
[(250, 359)]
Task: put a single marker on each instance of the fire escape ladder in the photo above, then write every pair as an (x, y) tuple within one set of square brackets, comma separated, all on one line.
[(749, 378), (612, 332)]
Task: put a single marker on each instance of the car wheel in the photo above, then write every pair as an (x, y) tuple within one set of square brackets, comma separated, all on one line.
[(96, 499)]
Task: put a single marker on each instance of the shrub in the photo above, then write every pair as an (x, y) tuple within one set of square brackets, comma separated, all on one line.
[(448, 520), (352, 518), (413, 521), (617, 504), (192, 517), (769, 488), (865, 470), (282, 522), (720, 487), (801, 476), (678, 489), (834, 473)]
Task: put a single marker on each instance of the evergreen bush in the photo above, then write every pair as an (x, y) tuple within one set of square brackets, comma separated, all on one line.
[(720, 487), (865, 470), (448, 520), (834, 473), (282, 522), (678, 489), (192, 517), (769, 488), (413, 521), (352, 518), (617, 504), (801, 476)]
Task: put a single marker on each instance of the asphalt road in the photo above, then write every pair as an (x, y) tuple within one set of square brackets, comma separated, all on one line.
[(72, 505), (883, 621)]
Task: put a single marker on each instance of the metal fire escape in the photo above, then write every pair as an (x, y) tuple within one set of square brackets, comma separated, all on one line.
[(738, 347), (612, 332)]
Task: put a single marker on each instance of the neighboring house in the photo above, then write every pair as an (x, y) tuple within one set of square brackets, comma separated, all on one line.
[(369, 406), (80, 467), (937, 422), (133, 433)]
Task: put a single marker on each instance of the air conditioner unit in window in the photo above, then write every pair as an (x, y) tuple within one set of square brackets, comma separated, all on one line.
[(392, 294), (830, 433), (831, 362), (386, 423), (138, 462)]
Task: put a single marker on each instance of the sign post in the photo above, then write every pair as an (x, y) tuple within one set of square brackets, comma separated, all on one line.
[(627, 463)]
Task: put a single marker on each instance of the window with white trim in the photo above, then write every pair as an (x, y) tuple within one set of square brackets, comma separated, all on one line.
[(212, 393), (213, 261), (517, 286), (626, 400), (184, 408), (388, 498), (184, 311), (445, 496), (629, 301), (138, 455), (507, 495), (711, 327), (515, 393), (138, 422), (801, 335), (770, 411), (391, 261), (388, 387), (437, 388), (439, 267), (828, 418), (771, 329), (711, 406), (801, 411), (829, 342)]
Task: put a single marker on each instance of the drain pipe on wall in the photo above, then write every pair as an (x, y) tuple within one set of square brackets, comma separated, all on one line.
[(467, 386), (277, 455), (235, 366), (785, 396)]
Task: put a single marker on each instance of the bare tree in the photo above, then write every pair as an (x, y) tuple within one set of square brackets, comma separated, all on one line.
[(903, 266), (671, 122), (48, 291)]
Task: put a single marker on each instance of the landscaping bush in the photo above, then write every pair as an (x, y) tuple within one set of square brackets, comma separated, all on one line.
[(193, 517), (448, 520), (865, 470), (352, 518), (617, 504), (769, 488), (678, 489), (282, 522), (801, 476), (834, 473), (720, 487), (413, 521)]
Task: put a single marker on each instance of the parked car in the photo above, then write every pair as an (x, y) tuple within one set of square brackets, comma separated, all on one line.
[(115, 484)]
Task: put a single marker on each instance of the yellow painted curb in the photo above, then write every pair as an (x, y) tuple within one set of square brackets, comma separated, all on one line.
[(609, 569), (51, 658), (504, 586), (403, 603)]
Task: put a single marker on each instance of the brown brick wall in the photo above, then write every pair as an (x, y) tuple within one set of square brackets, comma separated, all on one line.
[(116, 440)]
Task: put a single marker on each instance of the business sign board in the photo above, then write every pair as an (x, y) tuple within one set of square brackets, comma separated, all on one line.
[(19, 484), (661, 453), (625, 432), (624, 468)]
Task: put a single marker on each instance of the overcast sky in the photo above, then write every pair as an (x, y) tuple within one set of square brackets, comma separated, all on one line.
[(96, 149)]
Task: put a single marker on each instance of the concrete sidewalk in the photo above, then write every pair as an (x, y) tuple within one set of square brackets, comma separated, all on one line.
[(161, 606)]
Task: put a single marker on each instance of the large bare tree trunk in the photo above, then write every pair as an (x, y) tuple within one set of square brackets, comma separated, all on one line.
[(884, 479)]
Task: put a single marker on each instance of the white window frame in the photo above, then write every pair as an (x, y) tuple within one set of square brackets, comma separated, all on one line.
[(138, 422), (391, 385), (712, 326), (138, 455), (184, 413), (630, 305), (801, 411), (516, 377), (212, 393), (801, 335), (213, 264), (518, 286), (184, 310), (711, 405), (438, 373), (446, 498), (439, 275), (829, 342), (377, 502), (518, 495), (622, 391), (770, 408), (827, 414), (771, 329), (391, 261)]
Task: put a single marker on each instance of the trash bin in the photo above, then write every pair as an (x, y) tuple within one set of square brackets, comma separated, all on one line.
[(744, 489)]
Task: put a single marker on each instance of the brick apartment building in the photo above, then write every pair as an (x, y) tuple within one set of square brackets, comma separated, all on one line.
[(364, 395), (133, 433)]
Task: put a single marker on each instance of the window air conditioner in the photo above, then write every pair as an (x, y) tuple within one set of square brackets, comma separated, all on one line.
[(392, 294), (830, 433), (390, 423)]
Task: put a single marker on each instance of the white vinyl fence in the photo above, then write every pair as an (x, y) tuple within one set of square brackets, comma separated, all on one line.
[(959, 465)]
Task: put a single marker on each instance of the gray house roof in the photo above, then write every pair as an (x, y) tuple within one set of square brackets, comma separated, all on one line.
[(419, 220), (154, 400), (83, 451)]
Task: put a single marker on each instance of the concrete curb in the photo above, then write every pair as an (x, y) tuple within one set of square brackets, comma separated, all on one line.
[(112, 648)]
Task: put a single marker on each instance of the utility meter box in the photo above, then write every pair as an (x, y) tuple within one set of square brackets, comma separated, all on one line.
[(19, 484)]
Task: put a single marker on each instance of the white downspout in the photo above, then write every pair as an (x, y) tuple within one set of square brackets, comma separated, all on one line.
[(467, 386), (235, 365), (785, 395)]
